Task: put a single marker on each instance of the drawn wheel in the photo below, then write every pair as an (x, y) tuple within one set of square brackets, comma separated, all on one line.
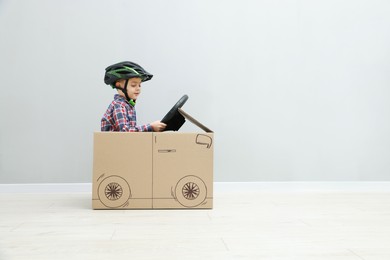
[(191, 191), (114, 191)]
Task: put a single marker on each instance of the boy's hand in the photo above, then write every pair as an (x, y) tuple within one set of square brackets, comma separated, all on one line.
[(158, 126)]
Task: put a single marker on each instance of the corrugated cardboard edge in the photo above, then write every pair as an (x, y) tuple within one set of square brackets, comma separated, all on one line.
[(194, 121)]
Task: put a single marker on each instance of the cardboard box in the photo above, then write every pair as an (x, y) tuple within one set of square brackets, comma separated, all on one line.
[(167, 170)]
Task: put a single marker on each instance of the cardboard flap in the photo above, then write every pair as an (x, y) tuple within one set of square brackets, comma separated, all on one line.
[(194, 121)]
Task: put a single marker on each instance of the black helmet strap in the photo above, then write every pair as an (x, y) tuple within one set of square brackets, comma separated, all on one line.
[(125, 90)]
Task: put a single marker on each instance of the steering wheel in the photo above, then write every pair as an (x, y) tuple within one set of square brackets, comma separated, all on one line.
[(173, 119)]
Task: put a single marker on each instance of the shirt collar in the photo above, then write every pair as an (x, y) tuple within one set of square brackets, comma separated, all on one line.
[(120, 98)]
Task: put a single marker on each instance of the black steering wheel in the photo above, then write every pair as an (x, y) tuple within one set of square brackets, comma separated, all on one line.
[(173, 119)]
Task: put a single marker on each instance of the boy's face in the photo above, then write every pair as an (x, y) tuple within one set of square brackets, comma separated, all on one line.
[(133, 87)]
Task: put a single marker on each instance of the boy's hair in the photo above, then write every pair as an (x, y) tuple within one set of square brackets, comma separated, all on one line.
[(125, 70)]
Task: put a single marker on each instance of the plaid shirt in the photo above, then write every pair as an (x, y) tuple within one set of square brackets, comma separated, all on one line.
[(121, 117)]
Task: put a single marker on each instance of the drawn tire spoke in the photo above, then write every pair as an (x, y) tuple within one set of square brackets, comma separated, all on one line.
[(190, 191), (113, 191)]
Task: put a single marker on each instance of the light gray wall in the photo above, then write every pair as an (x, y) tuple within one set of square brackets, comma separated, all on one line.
[(294, 90)]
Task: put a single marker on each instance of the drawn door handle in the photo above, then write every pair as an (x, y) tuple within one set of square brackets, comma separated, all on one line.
[(167, 151)]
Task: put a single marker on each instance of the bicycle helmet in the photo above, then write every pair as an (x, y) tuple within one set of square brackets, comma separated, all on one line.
[(125, 70)]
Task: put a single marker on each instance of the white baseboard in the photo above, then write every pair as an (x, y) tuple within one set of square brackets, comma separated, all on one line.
[(218, 187), (305, 186), (46, 188)]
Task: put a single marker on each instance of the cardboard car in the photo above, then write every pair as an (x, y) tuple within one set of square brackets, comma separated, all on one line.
[(153, 170)]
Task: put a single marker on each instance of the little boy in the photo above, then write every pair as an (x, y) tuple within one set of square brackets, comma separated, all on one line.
[(120, 116)]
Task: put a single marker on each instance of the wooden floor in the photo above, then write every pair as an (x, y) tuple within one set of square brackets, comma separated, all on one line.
[(243, 225)]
